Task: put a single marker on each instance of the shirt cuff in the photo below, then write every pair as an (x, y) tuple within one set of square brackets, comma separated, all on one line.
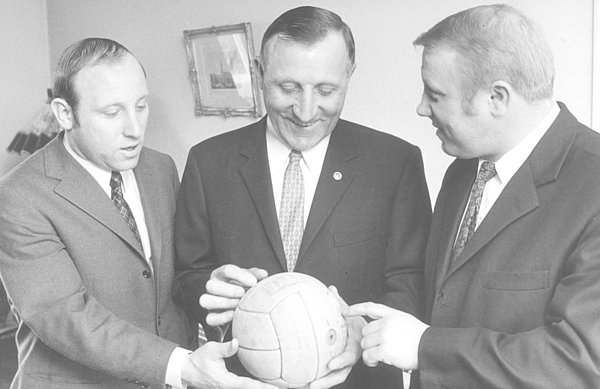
[(173, 377)]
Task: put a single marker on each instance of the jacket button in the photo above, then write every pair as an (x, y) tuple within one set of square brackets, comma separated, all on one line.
[(146, 274)]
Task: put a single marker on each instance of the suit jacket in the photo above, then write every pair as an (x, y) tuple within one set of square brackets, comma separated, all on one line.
[(519, 306), (365, 233), (90, 312)]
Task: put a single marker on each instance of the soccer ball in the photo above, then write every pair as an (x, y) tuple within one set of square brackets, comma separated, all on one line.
[(289, 326)]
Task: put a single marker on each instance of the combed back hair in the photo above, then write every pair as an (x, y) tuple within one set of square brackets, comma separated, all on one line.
[(306, 26), (89, 51), (493, 43)]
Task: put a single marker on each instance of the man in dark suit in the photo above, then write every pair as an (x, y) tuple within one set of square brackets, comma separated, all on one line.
[(87, 242), (364, 209), (513, 259)]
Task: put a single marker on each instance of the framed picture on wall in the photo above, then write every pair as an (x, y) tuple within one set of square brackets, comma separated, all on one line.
[(222, 71)]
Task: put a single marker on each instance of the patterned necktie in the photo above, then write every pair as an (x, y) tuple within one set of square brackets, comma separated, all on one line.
[(116, 186), (291, 212), (469, 223)]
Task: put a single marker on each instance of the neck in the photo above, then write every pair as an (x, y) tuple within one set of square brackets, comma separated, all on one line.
[(520, 121)]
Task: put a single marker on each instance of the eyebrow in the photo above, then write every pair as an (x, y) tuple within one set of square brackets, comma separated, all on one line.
[(121, 104), (431, 89)]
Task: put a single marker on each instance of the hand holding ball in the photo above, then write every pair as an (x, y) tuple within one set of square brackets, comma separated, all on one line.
[(289, 326)]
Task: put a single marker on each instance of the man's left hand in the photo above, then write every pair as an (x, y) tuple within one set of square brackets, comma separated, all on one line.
[(342, 364)]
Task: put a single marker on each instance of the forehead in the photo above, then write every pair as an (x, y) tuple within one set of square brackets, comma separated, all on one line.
[(329, 56), (440, 68), (118, 80)]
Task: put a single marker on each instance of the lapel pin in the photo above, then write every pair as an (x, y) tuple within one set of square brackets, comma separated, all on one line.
[(337, 176)]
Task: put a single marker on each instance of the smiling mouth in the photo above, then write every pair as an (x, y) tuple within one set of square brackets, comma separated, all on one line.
[(302, 124)]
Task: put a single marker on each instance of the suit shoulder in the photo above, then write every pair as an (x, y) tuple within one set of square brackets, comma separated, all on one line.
[(32, 168), (374, 139), (156, 156), (159, 164), (588, 140), (230, 140)]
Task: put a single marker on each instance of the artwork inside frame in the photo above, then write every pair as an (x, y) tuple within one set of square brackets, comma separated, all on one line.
[(221, 69)]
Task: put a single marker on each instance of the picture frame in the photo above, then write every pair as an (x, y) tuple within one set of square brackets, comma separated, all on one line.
[(221, 70)]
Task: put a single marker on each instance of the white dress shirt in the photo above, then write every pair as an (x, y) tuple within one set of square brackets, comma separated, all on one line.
[(509, 163), (311, 164), (131, 193)]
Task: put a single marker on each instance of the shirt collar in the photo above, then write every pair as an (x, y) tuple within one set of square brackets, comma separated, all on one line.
[(280, 151), (510, 162)]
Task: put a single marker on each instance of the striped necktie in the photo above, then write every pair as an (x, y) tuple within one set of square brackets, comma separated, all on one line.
[(116, 186)]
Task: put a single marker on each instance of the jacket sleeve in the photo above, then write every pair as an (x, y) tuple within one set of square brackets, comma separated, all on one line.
[(194, 251), (407, 238)]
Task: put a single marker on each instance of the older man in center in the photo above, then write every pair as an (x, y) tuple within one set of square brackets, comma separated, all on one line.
[(360, 210)]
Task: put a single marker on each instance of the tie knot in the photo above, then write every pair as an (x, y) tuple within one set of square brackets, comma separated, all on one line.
[(486, 171), (295, 156), (115, 180)]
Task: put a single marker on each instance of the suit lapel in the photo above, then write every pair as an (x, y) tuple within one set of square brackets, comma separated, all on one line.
[(458, 195), (342, 157), (79, 188), (520, 196), (150, 197), (257, 178)]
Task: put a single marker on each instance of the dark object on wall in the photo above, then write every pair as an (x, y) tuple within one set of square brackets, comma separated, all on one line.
[(37, 133)]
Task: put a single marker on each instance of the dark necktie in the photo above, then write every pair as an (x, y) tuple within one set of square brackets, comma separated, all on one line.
[(291, 212), (469, 223), (116, 186)]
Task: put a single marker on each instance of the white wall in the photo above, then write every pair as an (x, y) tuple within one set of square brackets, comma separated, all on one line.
[(386, 86), (24, 70)]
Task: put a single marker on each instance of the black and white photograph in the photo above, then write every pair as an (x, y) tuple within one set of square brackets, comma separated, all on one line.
[(259, 194)]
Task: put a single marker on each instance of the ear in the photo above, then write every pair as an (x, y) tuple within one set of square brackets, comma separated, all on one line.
[(63, 113), (500, 98), (260, 71), (351, 71)]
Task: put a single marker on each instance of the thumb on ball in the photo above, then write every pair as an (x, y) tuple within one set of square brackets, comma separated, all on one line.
[(230, 348), (333, 290)]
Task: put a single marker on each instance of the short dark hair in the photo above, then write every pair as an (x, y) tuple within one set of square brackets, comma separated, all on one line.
[(307, 25), (496, 42), (89, 51)]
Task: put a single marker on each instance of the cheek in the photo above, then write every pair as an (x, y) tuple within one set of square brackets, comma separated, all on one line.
[(105, 138), (332, 107), (144, 119), (276, 100)]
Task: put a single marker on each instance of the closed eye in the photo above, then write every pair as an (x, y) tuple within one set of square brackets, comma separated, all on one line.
[(326, 91), (112, 112)]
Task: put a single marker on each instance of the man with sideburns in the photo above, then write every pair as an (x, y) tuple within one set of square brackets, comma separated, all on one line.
[(513, 258)]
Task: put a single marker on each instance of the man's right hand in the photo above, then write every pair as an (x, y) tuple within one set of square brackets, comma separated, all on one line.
[(224, 289), (205, 368)]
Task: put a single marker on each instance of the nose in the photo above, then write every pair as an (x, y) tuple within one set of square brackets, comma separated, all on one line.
[(133, 126), (305, 107), (423, 108)]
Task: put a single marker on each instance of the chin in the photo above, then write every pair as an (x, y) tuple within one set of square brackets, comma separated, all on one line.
[(450, 151), (127, 165)]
